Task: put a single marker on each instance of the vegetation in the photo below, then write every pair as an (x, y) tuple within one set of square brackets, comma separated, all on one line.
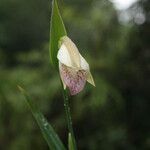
[(112, 116)]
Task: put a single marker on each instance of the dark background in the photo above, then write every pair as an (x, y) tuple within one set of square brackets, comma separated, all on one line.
[(113, 116)]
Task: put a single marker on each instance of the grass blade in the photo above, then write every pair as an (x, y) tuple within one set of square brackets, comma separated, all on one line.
[(48, 132), (70, 142)]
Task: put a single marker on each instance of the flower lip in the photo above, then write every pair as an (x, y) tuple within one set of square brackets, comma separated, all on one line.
[(74, 80)]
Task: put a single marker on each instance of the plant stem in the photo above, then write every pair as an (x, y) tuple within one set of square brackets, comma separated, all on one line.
[(68, 118)]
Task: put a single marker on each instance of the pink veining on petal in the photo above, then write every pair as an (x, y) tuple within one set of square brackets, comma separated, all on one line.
[(74, 80)]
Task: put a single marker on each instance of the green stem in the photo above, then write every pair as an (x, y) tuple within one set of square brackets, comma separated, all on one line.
[(68, 117)]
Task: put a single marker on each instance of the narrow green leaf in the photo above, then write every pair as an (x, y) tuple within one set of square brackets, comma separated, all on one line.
[(48, 132), (70, 142), (57, 30)]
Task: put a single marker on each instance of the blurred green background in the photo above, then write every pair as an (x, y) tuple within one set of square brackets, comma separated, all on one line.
[(113, 116)]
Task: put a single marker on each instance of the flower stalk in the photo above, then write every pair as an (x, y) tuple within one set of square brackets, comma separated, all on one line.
[(68, 118)]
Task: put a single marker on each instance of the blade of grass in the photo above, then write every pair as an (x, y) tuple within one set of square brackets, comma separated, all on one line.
[(70, 142), (57, 30), (48, 132)]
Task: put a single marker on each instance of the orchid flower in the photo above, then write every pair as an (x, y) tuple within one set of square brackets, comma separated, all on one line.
[(74, 69)]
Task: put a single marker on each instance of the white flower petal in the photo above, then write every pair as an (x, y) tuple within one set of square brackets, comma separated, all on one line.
[(84, 64), (69, 48), (64, 56)]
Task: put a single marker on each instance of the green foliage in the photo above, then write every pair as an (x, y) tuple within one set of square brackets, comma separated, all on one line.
[(118, 55), (57, 30), (24, 26), (70, 142), (48, 132)]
